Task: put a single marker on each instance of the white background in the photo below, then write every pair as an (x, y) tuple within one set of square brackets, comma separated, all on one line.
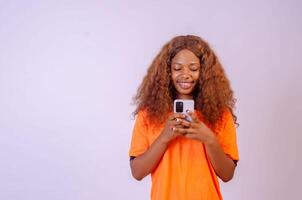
[(68, 71)]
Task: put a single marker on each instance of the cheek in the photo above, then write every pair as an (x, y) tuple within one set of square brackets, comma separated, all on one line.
[(196, 75), (173, 76)]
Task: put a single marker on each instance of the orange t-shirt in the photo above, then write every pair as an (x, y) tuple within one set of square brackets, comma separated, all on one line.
[(185, 171)]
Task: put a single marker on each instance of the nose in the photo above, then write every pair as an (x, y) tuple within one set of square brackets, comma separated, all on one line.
[(186, 72)]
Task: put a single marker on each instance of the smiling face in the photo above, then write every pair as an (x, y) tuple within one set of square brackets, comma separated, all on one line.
[(185, 68)]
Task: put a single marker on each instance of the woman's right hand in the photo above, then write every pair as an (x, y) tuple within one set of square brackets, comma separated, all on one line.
[(175, 120)]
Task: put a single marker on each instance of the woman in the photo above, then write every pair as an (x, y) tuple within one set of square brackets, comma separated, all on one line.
[(184, 158)]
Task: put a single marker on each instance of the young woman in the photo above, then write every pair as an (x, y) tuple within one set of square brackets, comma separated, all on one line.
[(184, 158)]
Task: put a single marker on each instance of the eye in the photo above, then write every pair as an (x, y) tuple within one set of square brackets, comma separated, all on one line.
[(194, 68), (176, 67)]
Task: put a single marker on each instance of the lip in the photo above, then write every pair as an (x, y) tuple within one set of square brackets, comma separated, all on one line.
[(185, 84)]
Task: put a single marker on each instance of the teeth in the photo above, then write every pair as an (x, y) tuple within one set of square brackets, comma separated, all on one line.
[(185, 85)]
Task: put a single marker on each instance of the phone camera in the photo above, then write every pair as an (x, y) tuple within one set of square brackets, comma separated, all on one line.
[(179, 107)]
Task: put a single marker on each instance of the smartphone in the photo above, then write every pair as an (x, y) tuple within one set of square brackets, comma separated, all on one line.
[(184, 105)]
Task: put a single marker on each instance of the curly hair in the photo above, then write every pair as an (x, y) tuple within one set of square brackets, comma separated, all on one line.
[(212, 95)]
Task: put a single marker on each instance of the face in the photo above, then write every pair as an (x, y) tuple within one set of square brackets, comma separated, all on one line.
[(185, 68)]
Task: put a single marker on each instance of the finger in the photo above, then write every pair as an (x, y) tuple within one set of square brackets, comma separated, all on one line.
[(171, 117), (176, 122), (174, 131), (179, 115), (179, 130), (185, 123), (198, 124), (174, 116), (193, 115), (190, 136), (183, 131), (181, 123)]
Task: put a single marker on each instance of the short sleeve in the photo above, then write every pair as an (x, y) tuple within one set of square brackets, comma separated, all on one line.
[(227, 136), (139, 141)]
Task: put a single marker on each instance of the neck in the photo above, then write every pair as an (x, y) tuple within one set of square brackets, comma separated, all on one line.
[(184, 96)]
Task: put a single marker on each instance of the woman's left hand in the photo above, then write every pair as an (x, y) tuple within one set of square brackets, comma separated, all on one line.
[(197, 130)]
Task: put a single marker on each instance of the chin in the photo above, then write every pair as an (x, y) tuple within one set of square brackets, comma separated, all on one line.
[(184, 92)]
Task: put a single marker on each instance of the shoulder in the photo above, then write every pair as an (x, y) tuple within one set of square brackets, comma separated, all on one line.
[(142, 118), (226, 119), (142, 115), (149, 119), (226, 115)]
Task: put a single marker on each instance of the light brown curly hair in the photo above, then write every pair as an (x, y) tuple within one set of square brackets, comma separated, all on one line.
[(212, 95)]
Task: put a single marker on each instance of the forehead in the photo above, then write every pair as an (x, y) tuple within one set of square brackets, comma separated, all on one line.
[(185, 56)]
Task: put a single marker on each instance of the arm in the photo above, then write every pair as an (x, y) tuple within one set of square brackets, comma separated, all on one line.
[(145, 163), (223, 165)]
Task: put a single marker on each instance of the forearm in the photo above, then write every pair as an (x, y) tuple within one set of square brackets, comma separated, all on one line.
[(144, 164), (224, 166)]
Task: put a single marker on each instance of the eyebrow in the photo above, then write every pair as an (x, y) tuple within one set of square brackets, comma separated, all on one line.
[(182, 63)]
